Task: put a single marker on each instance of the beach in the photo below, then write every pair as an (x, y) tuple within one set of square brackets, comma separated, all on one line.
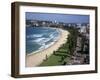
[(37, 58)]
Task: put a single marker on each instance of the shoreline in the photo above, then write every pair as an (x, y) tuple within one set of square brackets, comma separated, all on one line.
[(34, 59), (36, 52)]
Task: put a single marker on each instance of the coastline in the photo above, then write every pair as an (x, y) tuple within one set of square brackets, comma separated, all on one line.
[(37, 58), (52, 43)]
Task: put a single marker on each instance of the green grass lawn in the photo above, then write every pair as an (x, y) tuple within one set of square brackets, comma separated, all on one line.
[(54, 60)]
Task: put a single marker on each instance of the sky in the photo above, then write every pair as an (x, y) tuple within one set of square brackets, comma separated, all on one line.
[(66, 18)]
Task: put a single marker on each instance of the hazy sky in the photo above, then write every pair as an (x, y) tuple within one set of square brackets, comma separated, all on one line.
[(66, 18)]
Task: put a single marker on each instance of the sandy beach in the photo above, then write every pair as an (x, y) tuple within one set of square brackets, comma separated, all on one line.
[(37, 58)]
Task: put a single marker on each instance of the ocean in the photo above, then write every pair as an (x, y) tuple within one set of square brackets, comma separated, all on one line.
[(40, 38)]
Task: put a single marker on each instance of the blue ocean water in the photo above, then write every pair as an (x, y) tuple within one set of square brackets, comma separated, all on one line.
[(40, 38)]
